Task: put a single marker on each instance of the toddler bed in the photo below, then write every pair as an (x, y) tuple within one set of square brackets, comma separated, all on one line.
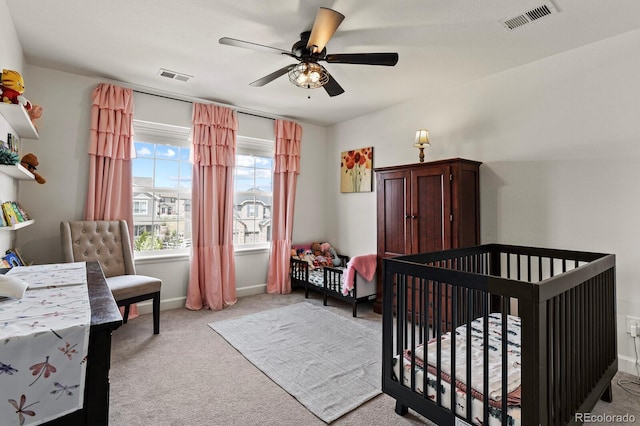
[(536, 326), (318, 268)]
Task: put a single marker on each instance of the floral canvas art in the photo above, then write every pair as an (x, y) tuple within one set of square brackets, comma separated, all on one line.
[(356, 169)]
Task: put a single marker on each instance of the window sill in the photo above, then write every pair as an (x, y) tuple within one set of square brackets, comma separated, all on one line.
[(251, 250), (171, 257), (160, 258)]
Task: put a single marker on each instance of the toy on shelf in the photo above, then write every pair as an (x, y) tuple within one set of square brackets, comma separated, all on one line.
[(35, 113), (12, 88), (30, 162)]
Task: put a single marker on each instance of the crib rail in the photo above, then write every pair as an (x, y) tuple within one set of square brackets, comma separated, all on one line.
[(565, 301)]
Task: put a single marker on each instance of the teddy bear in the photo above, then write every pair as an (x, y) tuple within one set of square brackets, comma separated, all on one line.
[(12, 88), (30, 162)]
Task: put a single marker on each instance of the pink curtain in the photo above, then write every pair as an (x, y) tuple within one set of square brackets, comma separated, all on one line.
[(212, 281), (287, 169), (110, 191)]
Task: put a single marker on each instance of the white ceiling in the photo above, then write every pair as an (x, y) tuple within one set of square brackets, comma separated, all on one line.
[(440, 44)]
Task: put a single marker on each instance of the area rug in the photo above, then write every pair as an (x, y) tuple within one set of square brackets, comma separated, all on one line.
[(331, 364)]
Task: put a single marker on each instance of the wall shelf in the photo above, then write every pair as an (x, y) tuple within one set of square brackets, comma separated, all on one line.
[(16, 171), (17, 225), (19, 120)]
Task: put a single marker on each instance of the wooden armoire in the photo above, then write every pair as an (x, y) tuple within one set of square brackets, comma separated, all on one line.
[(426, 207)]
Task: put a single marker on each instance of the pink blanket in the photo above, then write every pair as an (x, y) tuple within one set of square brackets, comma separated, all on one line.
[(364, 264)]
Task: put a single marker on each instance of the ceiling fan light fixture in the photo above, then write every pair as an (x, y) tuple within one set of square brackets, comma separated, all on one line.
[(308, 75)]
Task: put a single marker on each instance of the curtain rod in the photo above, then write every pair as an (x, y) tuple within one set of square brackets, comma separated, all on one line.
[(182, 98), (186, 99)]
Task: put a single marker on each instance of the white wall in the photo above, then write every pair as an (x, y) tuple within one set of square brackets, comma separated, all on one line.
[(560, 145), (10, 58)]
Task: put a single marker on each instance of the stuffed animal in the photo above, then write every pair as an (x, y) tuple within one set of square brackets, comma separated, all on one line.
[(315, 248), (334, 257), (309, 258), (35, 113), (30, 162), (12, 88)]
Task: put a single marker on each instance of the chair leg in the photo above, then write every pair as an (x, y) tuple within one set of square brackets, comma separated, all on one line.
[(156, 313), (126, 314)]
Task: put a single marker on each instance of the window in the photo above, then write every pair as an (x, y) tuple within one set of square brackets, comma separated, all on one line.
[(140, 207), (161, 188), (253, 193)]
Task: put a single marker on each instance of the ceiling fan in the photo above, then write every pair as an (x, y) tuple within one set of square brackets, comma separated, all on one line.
[(311, 49)]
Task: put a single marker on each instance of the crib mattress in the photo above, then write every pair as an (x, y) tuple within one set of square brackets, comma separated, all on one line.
[(477, 348)]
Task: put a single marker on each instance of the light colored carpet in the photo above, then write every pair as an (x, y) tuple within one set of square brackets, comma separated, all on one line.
[(331, 364), (189, 375)]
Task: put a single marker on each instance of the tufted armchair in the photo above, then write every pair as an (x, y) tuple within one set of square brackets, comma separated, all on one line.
[(108, 243)]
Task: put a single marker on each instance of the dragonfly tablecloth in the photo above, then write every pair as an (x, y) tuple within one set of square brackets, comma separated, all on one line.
[(43, 344)]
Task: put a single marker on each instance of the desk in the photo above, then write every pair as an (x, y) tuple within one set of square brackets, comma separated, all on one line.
[(105, 317)]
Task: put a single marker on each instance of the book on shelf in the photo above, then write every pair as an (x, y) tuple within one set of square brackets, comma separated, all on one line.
[(25, 215), (14, 206), (7, 209), (13, 213)]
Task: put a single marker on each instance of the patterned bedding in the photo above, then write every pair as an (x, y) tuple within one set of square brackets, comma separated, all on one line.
[(477, 370), (316, 277)]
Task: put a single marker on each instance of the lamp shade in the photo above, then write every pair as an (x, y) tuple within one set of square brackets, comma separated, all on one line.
[(422, 140), (422, 137)]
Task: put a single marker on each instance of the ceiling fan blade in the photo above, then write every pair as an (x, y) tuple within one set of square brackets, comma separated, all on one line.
[(389, 59), (332, 87), (326, 23), (254, 46), (269, 78)]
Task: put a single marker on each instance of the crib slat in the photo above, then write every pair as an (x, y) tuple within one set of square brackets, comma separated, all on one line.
[(401, 312), (468, 339), (454, 311), (425, 356), (438, 327), (485, 360), (505, 359)]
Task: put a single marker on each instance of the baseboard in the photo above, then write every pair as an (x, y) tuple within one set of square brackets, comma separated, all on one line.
[(251, 290), (166, 304), (626, 364), (178, 302)]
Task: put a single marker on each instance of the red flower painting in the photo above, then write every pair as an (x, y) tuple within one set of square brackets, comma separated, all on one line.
[(356, 170)]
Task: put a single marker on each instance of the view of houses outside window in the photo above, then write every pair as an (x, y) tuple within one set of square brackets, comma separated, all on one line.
[(253, 200), (162, 190), (161, 197)]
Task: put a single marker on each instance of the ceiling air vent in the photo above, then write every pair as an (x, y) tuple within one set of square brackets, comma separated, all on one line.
[(529, 16), (174, 75)]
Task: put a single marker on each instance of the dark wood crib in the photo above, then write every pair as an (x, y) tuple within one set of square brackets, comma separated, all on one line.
[(563, 301)]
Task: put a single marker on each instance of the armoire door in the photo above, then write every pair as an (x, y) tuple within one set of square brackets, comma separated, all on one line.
[(394, 223), (430, 209)]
